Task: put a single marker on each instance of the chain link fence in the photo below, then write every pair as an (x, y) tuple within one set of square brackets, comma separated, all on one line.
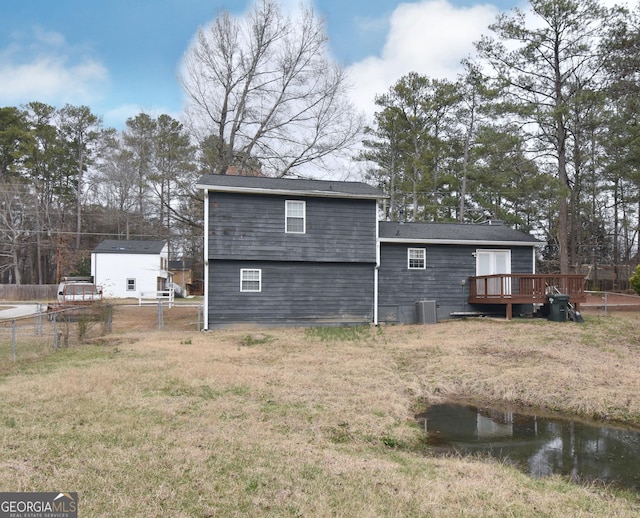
[(34, 335), (30, 337)]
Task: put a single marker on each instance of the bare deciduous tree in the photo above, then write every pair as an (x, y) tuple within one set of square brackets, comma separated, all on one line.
[(16, 224), (264, 85)]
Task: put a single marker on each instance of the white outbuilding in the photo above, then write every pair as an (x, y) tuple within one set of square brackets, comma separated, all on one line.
[(131, 269)]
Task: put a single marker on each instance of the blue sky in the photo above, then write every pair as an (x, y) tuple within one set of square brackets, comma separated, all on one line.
[(121, 57)]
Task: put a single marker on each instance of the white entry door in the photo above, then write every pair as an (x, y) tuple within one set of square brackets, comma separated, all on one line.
[(492, 262)]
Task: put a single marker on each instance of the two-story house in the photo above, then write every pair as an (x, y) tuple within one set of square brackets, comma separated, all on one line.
[(130, 268), (302, 252), (285, 251)]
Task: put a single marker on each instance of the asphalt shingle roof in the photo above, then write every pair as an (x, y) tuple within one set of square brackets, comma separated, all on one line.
[(117, 246), (454, 233), (337, 189)]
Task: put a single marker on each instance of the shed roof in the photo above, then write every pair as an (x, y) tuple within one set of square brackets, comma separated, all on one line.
[(455, 234), (289, 186), (117, 246)]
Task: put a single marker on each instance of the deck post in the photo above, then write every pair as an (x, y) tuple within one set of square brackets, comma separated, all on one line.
[(509, 311)]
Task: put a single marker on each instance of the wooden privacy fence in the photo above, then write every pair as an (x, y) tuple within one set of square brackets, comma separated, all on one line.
[(28, 291)]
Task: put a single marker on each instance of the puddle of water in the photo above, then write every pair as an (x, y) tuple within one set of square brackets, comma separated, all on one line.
[(541, 446)]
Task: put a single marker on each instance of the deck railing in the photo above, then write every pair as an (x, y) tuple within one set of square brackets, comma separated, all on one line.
[(521, 288)]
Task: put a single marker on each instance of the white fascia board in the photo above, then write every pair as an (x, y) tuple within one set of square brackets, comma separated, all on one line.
[(288, 192), (474, 242)]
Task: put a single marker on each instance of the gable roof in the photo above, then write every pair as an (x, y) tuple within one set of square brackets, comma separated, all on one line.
[(288, 186), (455, 234), (118, 246)]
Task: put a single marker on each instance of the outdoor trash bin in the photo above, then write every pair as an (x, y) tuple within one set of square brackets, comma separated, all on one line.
[(558, 307)]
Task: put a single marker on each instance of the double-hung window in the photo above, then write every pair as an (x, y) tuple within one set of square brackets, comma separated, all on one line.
[(131, 285), (250, 280), (295, 217), (417, 258)]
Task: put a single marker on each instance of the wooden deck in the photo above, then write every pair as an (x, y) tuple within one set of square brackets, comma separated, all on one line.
[(519, 288)]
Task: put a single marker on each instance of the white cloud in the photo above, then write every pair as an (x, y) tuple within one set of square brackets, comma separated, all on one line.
[(42, 67), (430, 37), (115, 117), (48, 38)]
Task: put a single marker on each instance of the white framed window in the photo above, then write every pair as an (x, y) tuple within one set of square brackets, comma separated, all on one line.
[(417, 258), (295, 217), (131, 285), (250, 280)]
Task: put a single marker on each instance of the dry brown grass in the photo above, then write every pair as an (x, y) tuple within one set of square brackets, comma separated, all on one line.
[(292, 422)]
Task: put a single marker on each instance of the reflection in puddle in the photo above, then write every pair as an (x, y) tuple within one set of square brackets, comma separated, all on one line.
[(539, 445)]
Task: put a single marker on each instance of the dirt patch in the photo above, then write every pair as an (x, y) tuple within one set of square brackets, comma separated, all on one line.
[(150, 318)]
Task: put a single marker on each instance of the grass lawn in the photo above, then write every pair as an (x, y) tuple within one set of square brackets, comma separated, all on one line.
[(307, 422)]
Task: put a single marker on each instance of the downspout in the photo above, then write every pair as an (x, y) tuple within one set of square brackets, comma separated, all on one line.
[(375, 273), (206, 260)]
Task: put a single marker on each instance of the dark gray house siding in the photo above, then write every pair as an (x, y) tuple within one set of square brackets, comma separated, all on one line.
[(253, 228), (324, 275), (449, 264), (295, 293), (343, 263), (447, 268)]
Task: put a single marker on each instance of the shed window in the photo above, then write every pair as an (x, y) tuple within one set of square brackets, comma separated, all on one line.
[(131, 285), (417, 258), (295, 217), (251, 280)]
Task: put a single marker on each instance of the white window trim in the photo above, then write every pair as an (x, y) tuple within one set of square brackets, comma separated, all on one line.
[(424, 259), (243, 271), (304, 216), (127, 288)]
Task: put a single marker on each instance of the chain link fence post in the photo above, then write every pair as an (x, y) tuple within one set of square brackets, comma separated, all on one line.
[(160, 315), (56, 339), (13, 339), (39, 321)]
